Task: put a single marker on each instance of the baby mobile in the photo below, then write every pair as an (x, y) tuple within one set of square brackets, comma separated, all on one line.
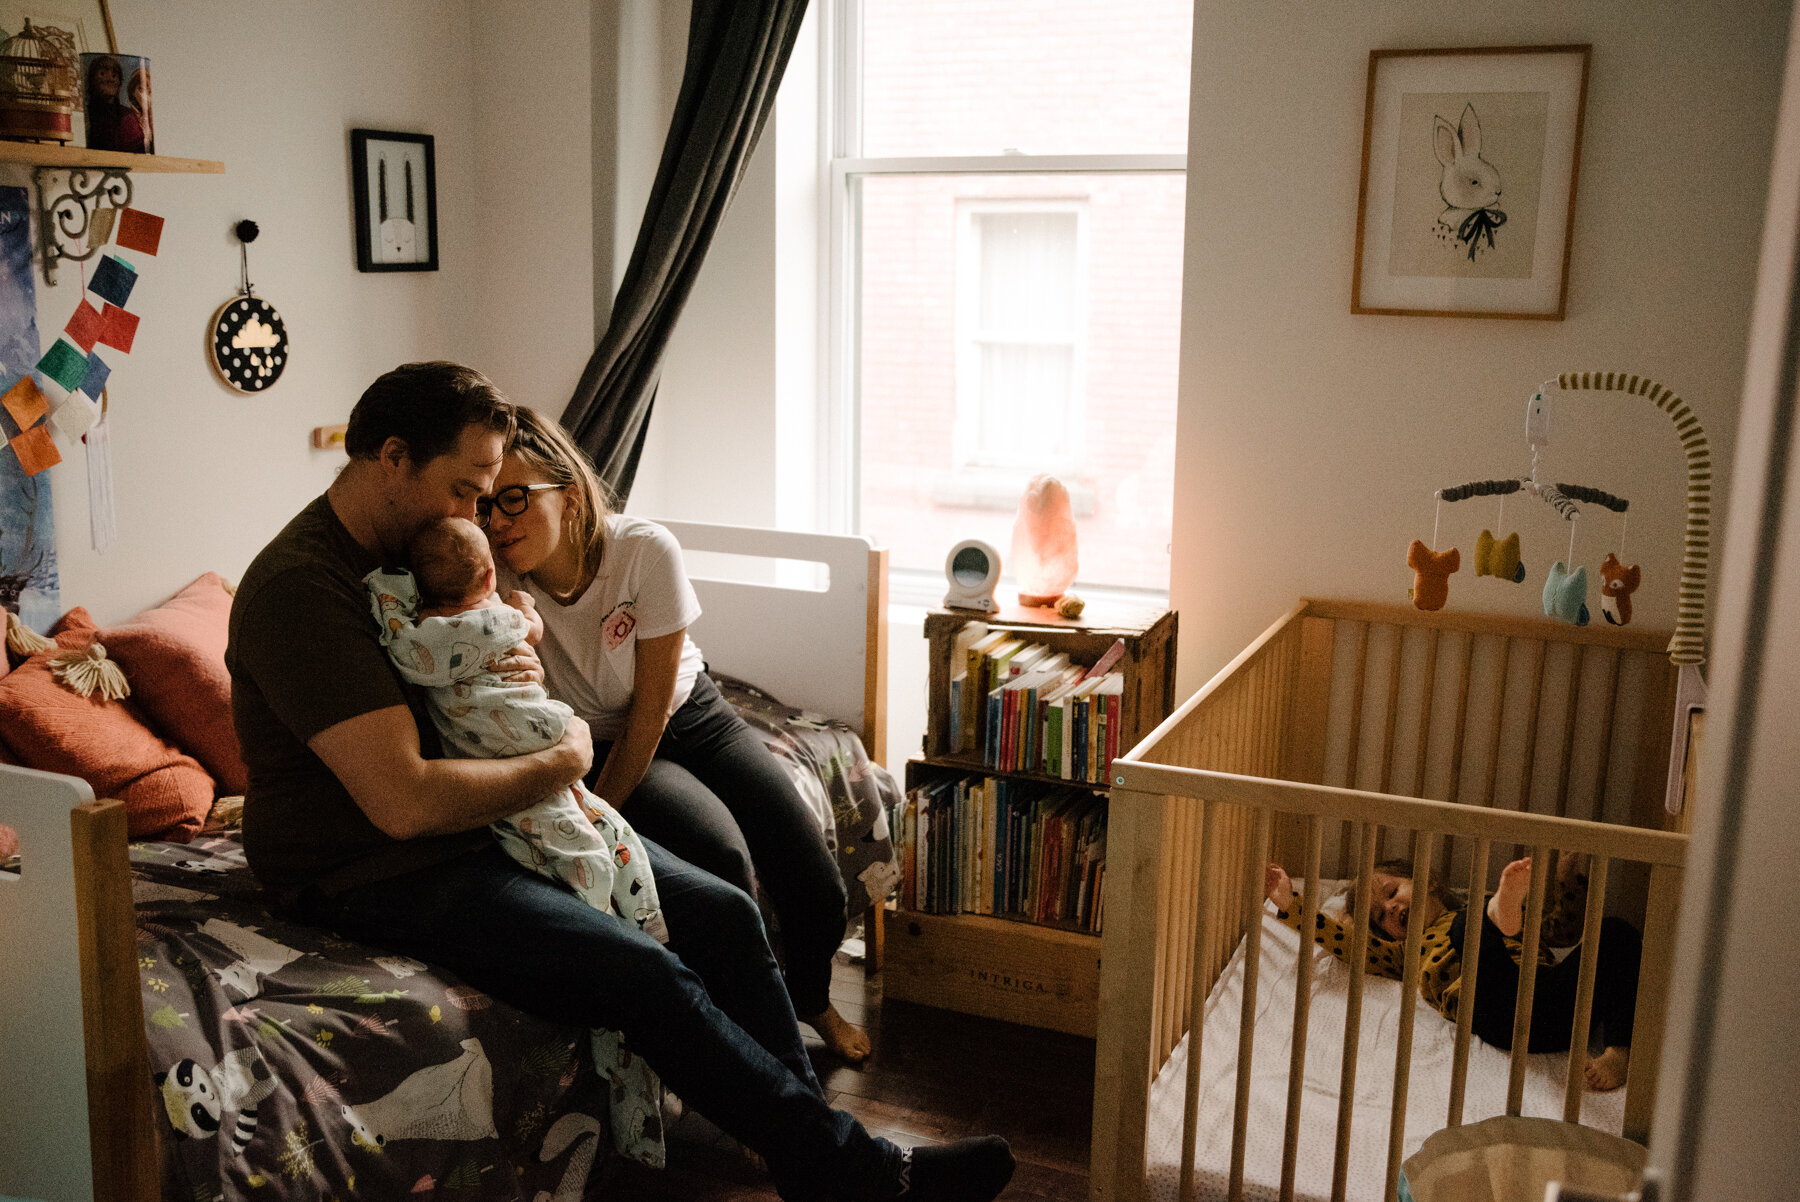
[(1565, 585)]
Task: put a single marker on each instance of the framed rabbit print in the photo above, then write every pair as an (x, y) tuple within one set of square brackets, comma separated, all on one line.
[(1469, 167)]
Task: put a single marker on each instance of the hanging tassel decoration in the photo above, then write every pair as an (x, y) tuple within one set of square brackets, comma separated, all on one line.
[(88, 671), (22, 639)]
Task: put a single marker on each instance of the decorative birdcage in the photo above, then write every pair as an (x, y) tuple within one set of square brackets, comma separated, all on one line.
[(39, 85)]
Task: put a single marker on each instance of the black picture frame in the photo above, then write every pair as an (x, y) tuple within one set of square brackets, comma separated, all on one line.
[(388, 237)]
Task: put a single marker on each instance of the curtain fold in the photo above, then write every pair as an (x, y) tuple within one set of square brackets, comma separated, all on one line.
[(737, 51)]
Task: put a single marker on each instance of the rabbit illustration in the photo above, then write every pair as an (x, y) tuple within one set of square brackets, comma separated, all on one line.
[(1470, 186)]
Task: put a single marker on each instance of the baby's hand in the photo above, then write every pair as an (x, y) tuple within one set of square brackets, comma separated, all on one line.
[(522, 602), (1278, 887)]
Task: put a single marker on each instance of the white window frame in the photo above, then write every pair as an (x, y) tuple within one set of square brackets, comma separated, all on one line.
[(840, 93), (967, 453)]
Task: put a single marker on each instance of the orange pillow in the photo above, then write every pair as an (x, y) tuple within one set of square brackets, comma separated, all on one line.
[(173, 657), (166, 794)]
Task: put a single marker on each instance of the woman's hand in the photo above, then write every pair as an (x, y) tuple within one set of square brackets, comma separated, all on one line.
[(1506, 909), (1278, 887), (521, 665)]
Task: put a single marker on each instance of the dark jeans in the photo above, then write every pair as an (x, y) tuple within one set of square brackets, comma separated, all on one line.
[(715, 796), (708, 1011), (1553, 999)]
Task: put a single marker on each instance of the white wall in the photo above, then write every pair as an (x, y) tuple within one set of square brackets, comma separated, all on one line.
[(1310, 440), (204, 476)]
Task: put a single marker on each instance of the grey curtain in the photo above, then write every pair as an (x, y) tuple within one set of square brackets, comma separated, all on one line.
[(737, 51)]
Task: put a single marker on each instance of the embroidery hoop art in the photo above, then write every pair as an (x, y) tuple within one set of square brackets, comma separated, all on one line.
[(247, 366)]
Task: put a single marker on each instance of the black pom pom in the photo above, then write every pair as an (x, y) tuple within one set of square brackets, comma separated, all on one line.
[(247, 231)]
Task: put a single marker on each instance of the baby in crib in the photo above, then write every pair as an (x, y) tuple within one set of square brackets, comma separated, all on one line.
[(1445, 921), (442, 625)]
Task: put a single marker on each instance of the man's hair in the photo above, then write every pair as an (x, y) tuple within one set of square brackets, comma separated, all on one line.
[(427, 406), (447, 558)]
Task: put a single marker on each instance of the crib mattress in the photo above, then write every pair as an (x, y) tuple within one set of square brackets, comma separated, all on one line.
[(1428, 1092)]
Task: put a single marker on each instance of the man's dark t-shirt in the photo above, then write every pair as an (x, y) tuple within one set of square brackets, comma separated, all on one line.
[(304, 655)]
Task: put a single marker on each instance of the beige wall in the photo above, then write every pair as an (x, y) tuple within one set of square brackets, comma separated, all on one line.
[(1310, 440)]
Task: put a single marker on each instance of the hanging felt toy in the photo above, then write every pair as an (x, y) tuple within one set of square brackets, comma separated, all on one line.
[(1565, 594), (1499, 557), (1617, 583), (1431, 574)]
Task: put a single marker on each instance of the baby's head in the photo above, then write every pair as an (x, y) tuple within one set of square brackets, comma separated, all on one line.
[(1391, 899), (452, 565)]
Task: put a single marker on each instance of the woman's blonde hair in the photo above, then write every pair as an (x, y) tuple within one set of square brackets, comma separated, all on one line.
[(546, 448)]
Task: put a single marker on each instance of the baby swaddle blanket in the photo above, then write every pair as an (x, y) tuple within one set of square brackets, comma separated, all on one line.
[(571, 836)]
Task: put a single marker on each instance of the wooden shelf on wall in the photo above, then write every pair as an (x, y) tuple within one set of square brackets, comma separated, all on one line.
[(59, 156)]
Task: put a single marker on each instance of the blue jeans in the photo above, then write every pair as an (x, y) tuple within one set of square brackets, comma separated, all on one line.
[(708, 1011), (718, 798)]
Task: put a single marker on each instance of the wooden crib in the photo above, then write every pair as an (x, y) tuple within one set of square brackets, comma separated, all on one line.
[(1345, 729)]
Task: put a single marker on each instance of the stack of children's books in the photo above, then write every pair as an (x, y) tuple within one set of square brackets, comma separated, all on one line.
[(988, 845), (1021, 707)]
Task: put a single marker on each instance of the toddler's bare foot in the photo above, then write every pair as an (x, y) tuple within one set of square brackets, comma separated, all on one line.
[(1607, 1070), (846, 1042)]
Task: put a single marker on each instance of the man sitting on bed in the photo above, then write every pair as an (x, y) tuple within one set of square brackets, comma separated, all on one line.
[(354, 821)]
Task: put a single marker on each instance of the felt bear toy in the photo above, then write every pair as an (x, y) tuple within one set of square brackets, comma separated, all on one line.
[(1499, 557), (1565, 594), (1617, 583), (1431, 574)]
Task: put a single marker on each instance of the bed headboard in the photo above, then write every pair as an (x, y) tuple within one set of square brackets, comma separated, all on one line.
[(811, 636)]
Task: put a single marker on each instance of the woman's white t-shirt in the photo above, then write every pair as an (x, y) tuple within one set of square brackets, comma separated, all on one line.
[(589, 648)]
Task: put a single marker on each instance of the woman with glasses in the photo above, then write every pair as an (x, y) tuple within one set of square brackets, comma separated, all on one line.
[(669, 750)]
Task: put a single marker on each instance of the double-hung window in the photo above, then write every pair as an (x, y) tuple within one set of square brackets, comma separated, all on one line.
[(1007, 191)]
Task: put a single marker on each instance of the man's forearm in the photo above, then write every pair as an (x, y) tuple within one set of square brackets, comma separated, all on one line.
[(458, 795)]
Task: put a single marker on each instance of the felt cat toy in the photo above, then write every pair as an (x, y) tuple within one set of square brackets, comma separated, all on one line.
[(1617, 583), (1499, 557), (1565, 594), (1431, 574)]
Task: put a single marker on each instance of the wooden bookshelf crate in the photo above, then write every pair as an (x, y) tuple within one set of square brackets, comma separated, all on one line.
[(1043, 975), (999, 967)]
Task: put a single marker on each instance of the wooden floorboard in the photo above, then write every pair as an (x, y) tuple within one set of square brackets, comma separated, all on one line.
[(935, 1076)]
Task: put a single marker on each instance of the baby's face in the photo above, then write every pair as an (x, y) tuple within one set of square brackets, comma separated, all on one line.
[(1391, 905)]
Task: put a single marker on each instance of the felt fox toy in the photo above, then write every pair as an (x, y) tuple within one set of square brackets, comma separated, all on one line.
[(1499, 557), (1431, 574), (1617, 583)]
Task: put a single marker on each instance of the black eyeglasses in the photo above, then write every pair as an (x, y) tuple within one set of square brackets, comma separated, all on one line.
[(512, 500)]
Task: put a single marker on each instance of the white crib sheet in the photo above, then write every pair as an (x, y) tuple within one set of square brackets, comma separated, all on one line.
[(1428, 1092)]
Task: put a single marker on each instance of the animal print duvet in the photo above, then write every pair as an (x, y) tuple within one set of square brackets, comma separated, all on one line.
[(293, 1064), (850, 795)]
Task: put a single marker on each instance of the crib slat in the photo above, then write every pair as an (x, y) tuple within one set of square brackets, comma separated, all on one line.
[(1254, 865), (1493, 764), (1359, 959), (1584, 986), (1568, 747), (1393, 712), (1409, 999), (1652, 999), (1471, 964), (1531, 728), (1528, 968), (1607, 717), (1425, 696), (1303, 978), (1356, 703), (1190, 1109)]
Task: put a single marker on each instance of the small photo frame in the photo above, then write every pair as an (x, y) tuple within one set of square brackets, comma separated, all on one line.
[(395, 180), (1469, 168)]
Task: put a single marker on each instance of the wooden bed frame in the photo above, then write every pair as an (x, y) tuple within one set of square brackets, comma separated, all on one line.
[(1311, 735), (70, 998)]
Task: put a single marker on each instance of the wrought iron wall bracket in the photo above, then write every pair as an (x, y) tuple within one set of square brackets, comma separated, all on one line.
[(65, 216)]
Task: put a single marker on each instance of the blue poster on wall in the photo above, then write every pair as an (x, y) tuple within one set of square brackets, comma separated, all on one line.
[(28, 577)]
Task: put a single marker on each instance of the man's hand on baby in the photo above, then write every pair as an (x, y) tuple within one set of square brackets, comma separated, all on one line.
[(522, 602), (521, 665), (578, 742)]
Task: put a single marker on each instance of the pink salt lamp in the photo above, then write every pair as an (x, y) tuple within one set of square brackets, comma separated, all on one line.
[(1043, 542)]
